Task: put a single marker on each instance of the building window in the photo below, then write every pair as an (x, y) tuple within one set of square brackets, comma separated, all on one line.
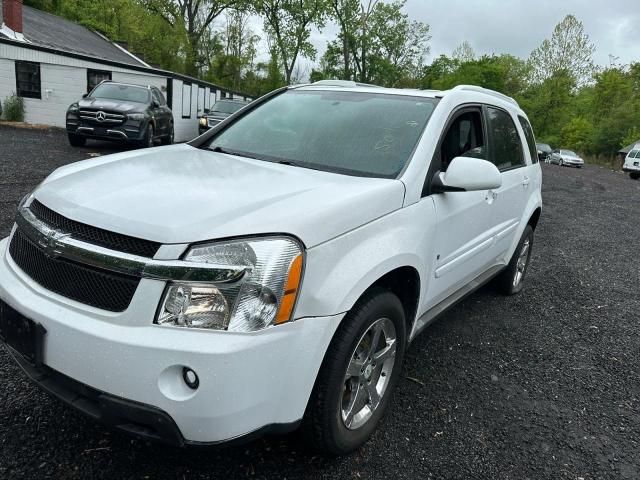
[(186, 100), (94, 77), (28, 79), (212, 98), (201, 93)]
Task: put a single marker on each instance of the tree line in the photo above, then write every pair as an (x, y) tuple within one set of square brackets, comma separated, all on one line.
[(571, 102)]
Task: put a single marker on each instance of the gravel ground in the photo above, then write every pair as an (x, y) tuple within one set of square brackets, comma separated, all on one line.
[(542, 385)]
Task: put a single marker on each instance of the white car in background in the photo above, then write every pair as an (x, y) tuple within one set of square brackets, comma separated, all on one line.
[(567, 158), (271, 273), (632, 162)]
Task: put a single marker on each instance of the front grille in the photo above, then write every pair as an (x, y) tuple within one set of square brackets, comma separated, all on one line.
[(107, 118), (94, 235), (91, 286)]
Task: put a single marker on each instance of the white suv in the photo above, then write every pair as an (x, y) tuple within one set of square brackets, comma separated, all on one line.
[(632, 162), (271, 273)]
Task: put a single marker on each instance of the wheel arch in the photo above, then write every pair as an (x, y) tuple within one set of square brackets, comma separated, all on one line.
[(534, 218)]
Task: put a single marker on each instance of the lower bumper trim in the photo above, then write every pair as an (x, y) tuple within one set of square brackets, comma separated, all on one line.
[(131, 417), (134, 418)]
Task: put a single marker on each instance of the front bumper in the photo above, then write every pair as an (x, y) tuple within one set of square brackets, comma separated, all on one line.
[(247, 380), (573, 163), (127, 132)]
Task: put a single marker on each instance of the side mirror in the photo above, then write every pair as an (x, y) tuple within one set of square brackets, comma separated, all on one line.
[(155, 104), (85, 95), (206, 111), (467, 174)]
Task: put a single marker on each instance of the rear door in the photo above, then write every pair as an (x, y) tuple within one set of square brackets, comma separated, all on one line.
[(160, 112), (506, 152)]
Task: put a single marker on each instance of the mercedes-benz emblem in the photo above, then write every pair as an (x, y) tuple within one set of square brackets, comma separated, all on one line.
[(100, 116)]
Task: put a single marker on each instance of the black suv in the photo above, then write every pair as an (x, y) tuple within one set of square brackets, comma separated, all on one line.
[(220, 110), (121, 112)]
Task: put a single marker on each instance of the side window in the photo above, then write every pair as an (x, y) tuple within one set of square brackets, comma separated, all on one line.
[(506, 146), (28, 79), (186, 100), (464, 138), (531, 141), (157, 96), (94, 77)]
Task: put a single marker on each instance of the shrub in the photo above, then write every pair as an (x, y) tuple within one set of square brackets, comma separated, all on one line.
[(14, 109)]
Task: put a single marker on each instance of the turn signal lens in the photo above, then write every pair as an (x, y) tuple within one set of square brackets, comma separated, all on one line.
[(290, 291)]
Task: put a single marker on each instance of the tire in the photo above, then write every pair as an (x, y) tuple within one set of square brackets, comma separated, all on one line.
[(511, 279), (561, 163), (329, 425), (634, 175), (168, 139), (147, 140), (77, 140)]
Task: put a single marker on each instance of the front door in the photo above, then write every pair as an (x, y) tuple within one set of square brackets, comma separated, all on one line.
[(465, 220)]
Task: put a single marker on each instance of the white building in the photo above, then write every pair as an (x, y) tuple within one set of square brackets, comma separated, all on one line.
[(51, 62)]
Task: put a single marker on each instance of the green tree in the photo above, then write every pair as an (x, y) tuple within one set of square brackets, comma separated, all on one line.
[(192, 18), (568, 50), (464, 52), (288, 23)]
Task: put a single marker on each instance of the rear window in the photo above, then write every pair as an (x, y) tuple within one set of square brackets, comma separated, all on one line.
[(506, 147), (531, 141)]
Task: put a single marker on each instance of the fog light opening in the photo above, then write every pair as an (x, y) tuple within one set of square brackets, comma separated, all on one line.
[(190, 378)]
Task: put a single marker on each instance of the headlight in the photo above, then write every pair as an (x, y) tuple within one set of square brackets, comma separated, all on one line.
[(265, 295), (203, 121), (138, 117), (73, 108)]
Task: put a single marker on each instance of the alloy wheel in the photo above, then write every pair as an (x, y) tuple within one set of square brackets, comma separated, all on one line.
[(368, 373), (521, 266)]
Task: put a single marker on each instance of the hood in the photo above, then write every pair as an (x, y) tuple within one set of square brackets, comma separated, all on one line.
[(108, 104), (181, 194), (214, 114)]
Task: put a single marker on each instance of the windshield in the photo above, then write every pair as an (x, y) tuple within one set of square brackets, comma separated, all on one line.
[(128, 93), (355, 133), (226, 107), (568, 152)]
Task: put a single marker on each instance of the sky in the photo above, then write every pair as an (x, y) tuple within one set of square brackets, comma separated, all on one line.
[(515, 26)]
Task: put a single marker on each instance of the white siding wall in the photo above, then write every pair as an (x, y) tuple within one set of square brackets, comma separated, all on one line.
[(64, 80)]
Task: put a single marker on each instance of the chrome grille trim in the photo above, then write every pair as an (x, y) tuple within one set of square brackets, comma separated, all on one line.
[(57, 243)]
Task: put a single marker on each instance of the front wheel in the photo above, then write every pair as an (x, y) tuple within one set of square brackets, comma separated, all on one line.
[(360, 371), (147, 140), (634, 175), (561, 163), (511, 280), (168, 139)]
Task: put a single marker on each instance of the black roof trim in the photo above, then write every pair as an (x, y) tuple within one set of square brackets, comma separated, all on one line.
[(128, 66)]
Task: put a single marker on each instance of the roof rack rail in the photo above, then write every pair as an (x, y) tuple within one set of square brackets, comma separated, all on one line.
[(343, 83), (486, 91)]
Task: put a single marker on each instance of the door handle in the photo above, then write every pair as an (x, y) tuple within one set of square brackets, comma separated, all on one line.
[(525, 182)]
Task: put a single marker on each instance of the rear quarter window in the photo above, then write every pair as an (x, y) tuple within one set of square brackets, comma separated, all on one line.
[(531, 141)]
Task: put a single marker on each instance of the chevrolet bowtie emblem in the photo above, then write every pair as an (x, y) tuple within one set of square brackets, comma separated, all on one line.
[(52, 243)]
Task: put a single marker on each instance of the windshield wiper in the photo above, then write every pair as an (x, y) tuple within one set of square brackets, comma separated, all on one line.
[(237, 153)]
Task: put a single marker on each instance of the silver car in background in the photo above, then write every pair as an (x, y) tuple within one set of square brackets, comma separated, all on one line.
[(567, 158)]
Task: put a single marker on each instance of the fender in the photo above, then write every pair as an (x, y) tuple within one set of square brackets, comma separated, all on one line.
[(339, 271)]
